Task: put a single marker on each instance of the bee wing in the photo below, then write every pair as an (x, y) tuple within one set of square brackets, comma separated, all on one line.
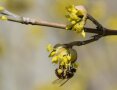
[(63, 83), (60, 81), (57, 81)]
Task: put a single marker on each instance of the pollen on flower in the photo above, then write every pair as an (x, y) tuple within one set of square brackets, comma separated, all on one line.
[(59, 71)]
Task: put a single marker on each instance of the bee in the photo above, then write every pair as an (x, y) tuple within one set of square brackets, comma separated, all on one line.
[(64, 74), (66, 58)]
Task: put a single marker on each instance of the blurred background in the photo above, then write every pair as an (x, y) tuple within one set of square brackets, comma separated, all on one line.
[(24, 62)]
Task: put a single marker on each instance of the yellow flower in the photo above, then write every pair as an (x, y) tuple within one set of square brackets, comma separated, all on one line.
[(63, 55), (77, 16), (71, 9)]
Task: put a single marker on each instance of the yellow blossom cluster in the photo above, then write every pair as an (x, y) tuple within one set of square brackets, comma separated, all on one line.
[(77, 16), (63, 56)]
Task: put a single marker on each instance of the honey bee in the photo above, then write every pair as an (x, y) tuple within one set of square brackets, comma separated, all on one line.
[(64, 74), (66, 58)]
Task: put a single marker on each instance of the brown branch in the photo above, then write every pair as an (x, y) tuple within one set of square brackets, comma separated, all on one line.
[(80, 43), (99, 30), (24, 20), (63, 26)]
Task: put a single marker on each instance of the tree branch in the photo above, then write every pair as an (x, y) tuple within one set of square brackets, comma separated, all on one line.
[(80, 43), (99, 30)]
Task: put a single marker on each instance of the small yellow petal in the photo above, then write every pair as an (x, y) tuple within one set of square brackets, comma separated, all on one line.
[(73, 22), (70, 19), (69, 57), (83, 33), (52, 54), (55, 59), (73, 16), (69, 27), (49, 48), (65, 59), (62, 63), (78, 27)]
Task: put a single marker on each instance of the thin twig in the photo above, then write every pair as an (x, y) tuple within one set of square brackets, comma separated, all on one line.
[(80, 43)]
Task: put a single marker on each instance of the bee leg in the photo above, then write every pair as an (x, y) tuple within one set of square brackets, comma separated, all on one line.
[(63, 83)]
